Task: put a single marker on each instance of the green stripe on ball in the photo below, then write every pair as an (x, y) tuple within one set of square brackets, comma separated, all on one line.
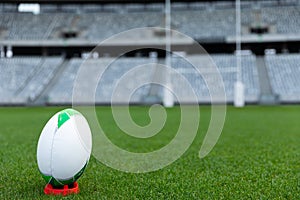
[(62, 118)]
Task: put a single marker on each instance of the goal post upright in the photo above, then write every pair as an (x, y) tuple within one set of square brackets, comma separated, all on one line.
[(239, 96), (168, 98)]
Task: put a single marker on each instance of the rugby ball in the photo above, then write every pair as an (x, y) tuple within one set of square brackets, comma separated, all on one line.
[(64, 148)]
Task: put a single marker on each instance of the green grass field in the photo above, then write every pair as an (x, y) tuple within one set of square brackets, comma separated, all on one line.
[(256, 157)]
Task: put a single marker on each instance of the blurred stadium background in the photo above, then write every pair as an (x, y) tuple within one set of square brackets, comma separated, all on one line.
[(43, 44)]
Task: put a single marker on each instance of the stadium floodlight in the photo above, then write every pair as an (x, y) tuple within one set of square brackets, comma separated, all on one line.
[(239, 99)]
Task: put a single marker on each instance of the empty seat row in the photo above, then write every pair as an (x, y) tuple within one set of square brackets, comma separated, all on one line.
[(215, 23), (284, 73)]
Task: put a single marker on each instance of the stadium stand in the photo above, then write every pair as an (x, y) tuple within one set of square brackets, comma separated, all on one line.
[(100, 22), (226, 65), (108, 24), (28, 26), (285, 19), (41, 79), (23, 78), (62, 91), (14, 75), (218, 23), (284, 73)]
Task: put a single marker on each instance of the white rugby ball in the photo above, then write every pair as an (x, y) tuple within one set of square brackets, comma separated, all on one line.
[(64, 148)]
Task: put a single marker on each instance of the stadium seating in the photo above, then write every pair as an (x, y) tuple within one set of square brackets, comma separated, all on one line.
[(41, 78), (14, 74), (62, 91), (108, 24), (218, 23), (226, 64), (99, 22), (284, 18), (23, 78), (27, 26), (284, 73)]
